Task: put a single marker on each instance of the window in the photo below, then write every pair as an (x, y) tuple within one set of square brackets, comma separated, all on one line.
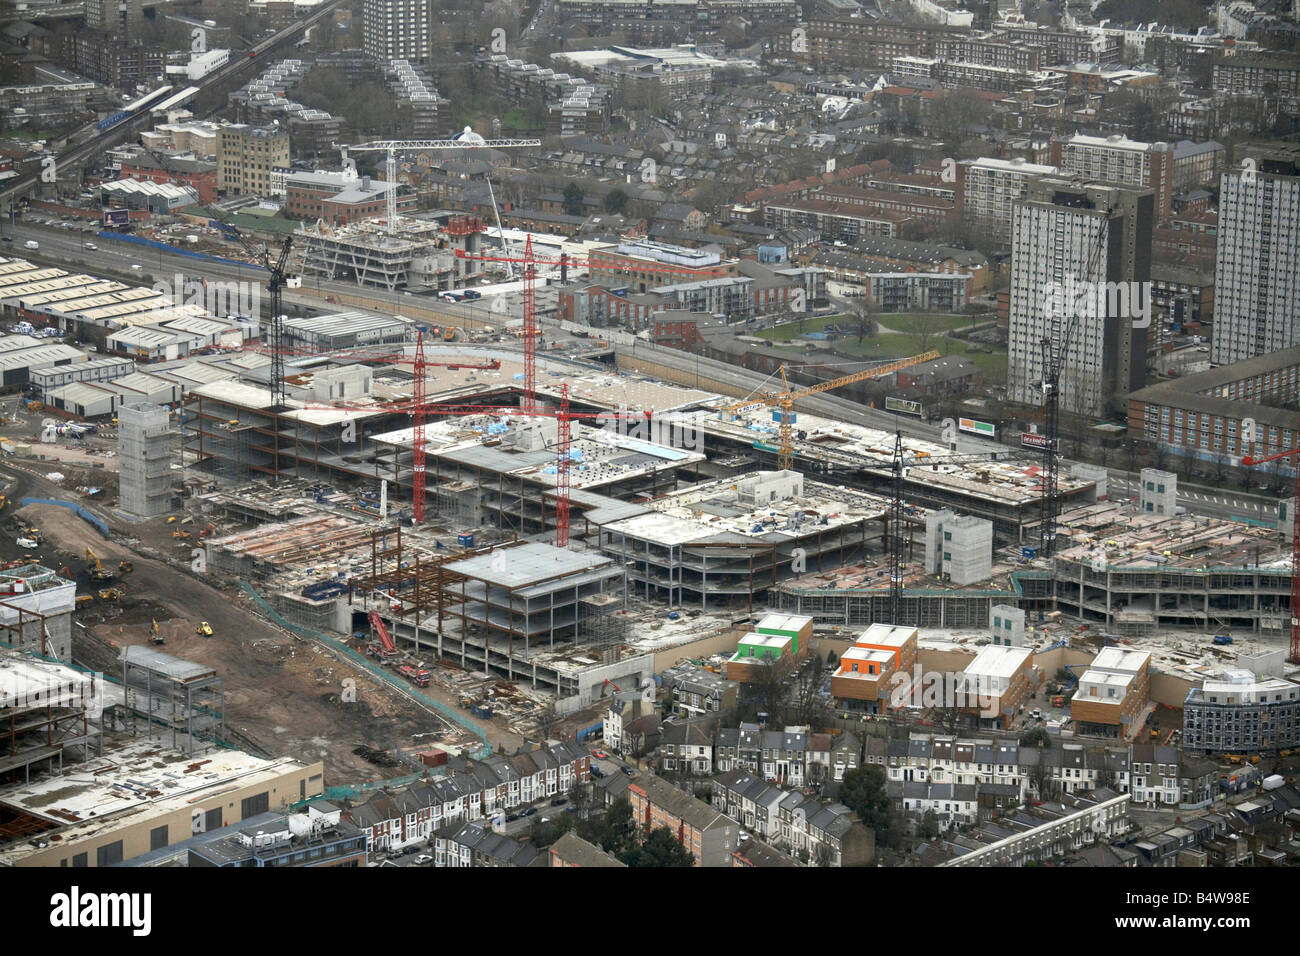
[(158, 837), (79, 860), (212, 820), (110, 854), (252, 806)]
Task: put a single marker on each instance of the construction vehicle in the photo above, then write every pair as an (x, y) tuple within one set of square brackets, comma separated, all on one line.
[(3, 501), (449, 334), (204, 629), (125, 567), (96, 570), (84, 599), (110, 594), (385, 647), (416, 675), (31, 531), (155, 636), (180, 534), (171, 520)]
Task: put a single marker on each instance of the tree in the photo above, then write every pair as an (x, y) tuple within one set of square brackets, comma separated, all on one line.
[(661, 848), (929, 825), (615, 201), (545, 832), (573, 196), (863, 792), (1038, 737), (613, 831)]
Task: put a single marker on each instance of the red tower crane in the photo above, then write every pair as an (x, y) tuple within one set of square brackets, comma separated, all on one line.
[(1250, 461), (417, 478), (562, 420), (530, 263)]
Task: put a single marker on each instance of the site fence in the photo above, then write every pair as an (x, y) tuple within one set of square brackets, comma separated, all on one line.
[(384, 675)]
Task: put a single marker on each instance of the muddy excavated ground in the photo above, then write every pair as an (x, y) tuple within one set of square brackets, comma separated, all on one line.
[(283, 694)]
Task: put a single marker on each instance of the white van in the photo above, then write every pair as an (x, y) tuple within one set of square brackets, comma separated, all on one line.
[(32, 244)]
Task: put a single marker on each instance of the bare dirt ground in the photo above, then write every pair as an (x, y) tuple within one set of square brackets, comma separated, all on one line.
[(283, 695)]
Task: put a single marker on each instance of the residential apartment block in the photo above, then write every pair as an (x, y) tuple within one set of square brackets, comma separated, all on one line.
[(396, 30), (864, 681), (1118, 159), (708, 835), (1070, 236), (1242, 714), (1257, 264), (1113, 694), (247, 158)]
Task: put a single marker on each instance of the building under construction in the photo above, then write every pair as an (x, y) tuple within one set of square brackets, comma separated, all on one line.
[(724, 543), (412, 254), (1006, 491), (177, 702), (47, 710), (545, 616), (36, 611)]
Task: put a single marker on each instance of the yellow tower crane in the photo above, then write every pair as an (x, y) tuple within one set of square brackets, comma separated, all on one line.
[(785, 399)]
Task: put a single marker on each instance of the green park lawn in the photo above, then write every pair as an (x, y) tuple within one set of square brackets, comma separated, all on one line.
[(903, 342)]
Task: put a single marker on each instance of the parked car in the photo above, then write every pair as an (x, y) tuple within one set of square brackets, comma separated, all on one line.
[(559, 801), (629, 771), (511, 817), (528, 813), (596, 771), (601, 754), (424, 858)]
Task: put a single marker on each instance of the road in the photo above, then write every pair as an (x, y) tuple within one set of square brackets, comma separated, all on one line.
[(1201, 500)]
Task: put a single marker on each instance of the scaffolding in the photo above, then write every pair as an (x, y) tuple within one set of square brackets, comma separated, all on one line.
[(177, 696)]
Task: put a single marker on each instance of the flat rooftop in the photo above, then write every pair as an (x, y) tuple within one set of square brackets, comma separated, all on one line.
[(714, 512), (887, 635), (847, 445), (138, 778), (998, 662), (1109, 536), (527, 564)]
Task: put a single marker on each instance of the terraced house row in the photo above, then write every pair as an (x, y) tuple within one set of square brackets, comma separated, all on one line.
[(471, 790)]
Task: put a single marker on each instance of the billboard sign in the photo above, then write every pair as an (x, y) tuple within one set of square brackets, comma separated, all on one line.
[(117, 217), (904, 405), (1030, 440), (983, 429)]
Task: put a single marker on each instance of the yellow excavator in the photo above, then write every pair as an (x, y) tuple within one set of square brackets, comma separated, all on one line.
[(96, 570), (154, 634)]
